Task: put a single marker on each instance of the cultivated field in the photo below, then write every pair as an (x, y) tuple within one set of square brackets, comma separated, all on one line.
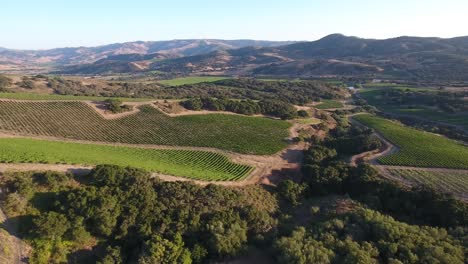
[(455, 182), (200, 165), (374, 96), (329, 104), (77, 120), (191, 80), (51, 97), (417, 148)]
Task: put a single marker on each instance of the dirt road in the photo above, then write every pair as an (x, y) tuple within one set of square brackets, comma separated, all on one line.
[(267, 168)]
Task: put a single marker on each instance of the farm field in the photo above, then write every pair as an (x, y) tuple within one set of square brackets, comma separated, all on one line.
[(200, 165), (455, 182), (433, 115), (52, 97), (417, 148), (329, 104), (191, 80), (77, 120), (374, 97)]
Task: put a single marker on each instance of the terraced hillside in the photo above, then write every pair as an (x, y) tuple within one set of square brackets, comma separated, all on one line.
[(417, 148), (76, 120)]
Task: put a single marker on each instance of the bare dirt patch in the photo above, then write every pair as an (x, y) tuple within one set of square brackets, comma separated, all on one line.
[(12, 249), (170, 109)]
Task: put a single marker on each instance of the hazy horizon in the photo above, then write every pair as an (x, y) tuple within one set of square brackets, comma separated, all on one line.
[(179, 39), (51, 24)]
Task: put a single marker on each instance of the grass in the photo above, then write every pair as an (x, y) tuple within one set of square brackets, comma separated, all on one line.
[(191, 80), (201, 165), (329, 104), (452, 182), (308, 121), (77, 120), (51, 97), (417, 148)]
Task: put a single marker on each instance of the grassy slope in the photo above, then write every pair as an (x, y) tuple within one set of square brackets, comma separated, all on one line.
[(191, 80), (201, 165), (51, 97), (77, 120), (328, 104), (417, 148), (309, 121)]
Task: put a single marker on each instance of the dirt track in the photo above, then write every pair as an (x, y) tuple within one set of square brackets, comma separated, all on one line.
[(265, 167), (371, 156), (266, 170), (387, 149)]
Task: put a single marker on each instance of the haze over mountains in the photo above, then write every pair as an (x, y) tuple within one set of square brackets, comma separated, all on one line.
[(170, 49), (403, 57)]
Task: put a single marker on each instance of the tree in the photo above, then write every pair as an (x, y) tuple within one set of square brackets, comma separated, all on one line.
[(302, 113), (319, 155), (291, 191), (51, 225), (113, 255), (226, 234), (114, 105), (164, 251), (301, 249), (52, 180), (5, 82), (193, 104), (27, 83), (278, 108)]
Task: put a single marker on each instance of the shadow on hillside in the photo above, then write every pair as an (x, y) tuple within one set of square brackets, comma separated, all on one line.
[(18, 226)]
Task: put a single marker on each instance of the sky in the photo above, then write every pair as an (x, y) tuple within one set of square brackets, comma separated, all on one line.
[(45, 24)]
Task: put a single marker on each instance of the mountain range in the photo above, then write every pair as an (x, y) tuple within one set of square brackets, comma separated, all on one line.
[(404, 57), (82, 55), (414, 58)]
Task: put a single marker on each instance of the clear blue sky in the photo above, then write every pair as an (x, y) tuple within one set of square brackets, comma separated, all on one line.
[(40, 24)]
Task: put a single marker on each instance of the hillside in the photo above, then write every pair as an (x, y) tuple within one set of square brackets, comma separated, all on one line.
[(83, 55), (426, 59), (409, 58)]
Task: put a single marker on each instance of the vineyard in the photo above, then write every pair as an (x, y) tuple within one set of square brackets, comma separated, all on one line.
[(455, 182), (52, 97), (76, 120), (201, 165), (376, 97), (417, 148)]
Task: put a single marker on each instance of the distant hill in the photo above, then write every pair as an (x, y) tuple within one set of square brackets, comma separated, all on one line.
[(411, 58), (86, 55), (403, 57)]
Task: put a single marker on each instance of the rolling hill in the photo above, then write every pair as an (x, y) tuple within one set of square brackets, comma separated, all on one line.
[(410, 58), (84, 55), (403, 57)]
